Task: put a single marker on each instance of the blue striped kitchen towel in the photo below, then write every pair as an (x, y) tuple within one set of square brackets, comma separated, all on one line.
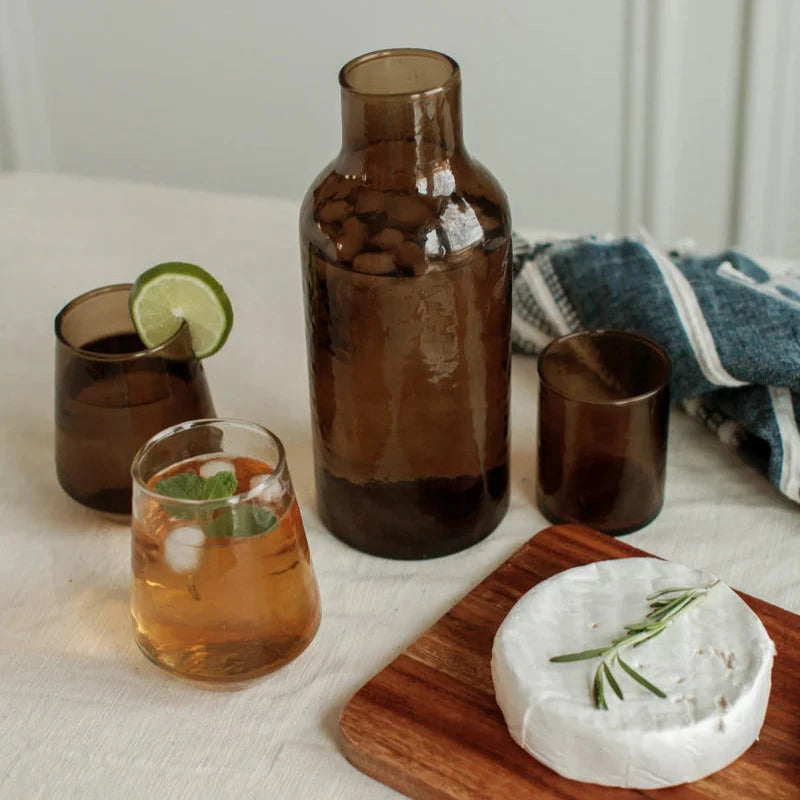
[(731, 327)]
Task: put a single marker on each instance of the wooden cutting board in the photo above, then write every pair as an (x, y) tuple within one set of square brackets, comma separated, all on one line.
[(428, 725)]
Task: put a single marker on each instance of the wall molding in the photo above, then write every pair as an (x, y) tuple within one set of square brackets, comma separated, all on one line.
[(787, 234), (769, 188), (26, 134), (709, 135), (633, 137), (651, 87), (682, 118), (667, 24), (6, 160), (761, 103)]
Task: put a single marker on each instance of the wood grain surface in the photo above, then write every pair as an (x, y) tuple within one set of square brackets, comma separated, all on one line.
[(428, 724)]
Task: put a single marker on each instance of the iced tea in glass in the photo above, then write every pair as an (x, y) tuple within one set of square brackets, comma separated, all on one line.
[(223, 586)]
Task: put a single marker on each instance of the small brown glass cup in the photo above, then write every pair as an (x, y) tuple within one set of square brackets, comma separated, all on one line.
[(112, 394), (603, 415)]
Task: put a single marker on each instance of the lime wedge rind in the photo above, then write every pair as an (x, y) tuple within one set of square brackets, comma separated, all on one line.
[(167, 294)]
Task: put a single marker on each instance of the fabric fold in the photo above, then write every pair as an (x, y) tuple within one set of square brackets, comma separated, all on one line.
[(731, 327)]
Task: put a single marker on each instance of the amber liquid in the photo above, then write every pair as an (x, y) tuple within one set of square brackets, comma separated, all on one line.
[(409, 363), (238, 607), (425, 518), (610, 494), (105, 411), (116, 345)]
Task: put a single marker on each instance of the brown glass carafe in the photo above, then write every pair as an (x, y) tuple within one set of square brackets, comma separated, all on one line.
[(406, 247)]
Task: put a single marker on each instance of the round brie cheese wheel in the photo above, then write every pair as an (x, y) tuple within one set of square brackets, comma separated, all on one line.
[(714, 663)]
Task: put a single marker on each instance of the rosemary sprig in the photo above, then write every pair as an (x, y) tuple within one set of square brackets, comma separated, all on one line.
[(665, 605)]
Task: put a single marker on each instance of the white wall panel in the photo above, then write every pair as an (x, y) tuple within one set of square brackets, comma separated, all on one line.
[(684, 60), (768, 209), (682, 115), (244, 95), (707, 47), (25, 138)]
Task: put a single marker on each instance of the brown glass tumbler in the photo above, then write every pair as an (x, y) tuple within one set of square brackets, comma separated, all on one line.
[(603, 414), (113, 394)]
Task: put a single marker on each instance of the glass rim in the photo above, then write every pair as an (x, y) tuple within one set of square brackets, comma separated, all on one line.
[(218, 502), (610, 333), (453, 79), (91, 355)]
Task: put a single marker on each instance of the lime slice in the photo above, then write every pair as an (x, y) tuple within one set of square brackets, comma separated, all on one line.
[(165, 295)]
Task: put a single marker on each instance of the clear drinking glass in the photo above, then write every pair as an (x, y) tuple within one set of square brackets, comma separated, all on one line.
[(112, 394), (603, 414), (223, 589)]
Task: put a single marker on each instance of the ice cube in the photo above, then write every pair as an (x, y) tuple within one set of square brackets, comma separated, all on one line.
[(334, 210), (351, 238), (410, 255), (334, 187), (488, 223), (374, 263), (388, 238), (407, 209), (211, 468), (492, 228), (329, 248), (183, 548), (273, 491), (368, 201)]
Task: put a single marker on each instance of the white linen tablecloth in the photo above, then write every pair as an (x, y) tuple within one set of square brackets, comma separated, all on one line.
[(82, 713)]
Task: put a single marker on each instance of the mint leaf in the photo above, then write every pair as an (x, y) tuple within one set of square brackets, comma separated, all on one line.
[(251, 520), (240, 522), (183, 486), (235, 521), (219, 526), (223, 484)]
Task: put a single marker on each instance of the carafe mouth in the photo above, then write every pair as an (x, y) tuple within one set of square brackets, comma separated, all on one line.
[(399, 72)]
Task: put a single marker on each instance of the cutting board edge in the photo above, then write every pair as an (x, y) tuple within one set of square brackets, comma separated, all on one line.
[(382, 769)]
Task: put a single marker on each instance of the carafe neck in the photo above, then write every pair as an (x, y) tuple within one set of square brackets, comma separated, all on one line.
[(402, 98)]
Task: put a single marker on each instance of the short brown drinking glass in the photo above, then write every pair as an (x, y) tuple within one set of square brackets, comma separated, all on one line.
[(112, 394), (603, 414)]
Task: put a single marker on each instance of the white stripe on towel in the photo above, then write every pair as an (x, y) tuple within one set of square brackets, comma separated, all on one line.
[(691, 317), (529, 333), (783, 409), (545, 299)]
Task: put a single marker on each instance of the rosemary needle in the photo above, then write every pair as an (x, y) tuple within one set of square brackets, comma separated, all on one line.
[(663, 610)]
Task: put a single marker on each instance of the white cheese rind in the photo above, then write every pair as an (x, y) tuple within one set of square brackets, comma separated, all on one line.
[(714, 663)]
